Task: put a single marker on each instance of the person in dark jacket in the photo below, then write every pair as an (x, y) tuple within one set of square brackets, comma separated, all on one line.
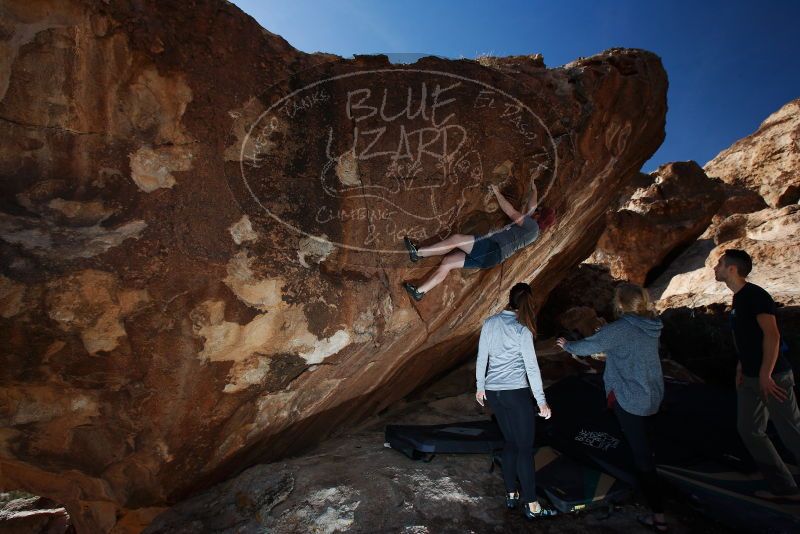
[(633, 381)]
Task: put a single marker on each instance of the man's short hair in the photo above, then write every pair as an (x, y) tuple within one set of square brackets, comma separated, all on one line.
[(739, 259)]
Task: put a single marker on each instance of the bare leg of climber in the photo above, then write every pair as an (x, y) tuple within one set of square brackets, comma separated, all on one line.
[(456, 241), (453, 260)]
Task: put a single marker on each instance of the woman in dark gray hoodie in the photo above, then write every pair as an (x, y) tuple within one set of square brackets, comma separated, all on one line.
[(633, 381)]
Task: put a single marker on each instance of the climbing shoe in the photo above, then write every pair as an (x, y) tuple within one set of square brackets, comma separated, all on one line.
[(412, 249), (512, 501), (542, 512), (412, 290)]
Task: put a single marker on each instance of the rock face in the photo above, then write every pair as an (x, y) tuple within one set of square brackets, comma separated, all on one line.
[(664, 216), (33, 515), (769, 233), (200, 233), (766, 161), (770, 236), (586, 286)]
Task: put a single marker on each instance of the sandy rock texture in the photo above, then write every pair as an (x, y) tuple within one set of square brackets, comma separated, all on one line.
[(666, 215), (28, 514), (695, 306), (767, 160), (201, 233)]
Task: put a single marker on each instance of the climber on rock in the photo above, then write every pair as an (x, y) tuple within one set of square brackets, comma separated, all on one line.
[(462, 251)]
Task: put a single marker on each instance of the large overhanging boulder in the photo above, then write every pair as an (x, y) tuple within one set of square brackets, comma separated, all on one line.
[(200, 232)]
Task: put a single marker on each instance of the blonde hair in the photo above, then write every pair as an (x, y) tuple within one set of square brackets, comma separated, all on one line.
[(630, 298)]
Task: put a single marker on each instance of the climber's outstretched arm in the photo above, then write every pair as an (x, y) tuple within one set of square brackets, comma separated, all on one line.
[(533, 200), (507, 208)]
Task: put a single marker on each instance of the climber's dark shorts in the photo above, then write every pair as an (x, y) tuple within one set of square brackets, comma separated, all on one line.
[(485, 253)]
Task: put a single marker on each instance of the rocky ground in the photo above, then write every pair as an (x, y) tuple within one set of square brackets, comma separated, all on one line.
[(352, 483)]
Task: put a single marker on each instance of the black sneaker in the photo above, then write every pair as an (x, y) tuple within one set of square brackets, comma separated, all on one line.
[(412, 290), (513, 501), (412, 249), (543, 512)]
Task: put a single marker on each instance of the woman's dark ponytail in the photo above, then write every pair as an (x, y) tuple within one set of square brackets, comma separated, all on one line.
[(521, 299)]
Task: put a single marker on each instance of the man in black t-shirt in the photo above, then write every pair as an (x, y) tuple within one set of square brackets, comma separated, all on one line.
[(764, 378), (748, 303)]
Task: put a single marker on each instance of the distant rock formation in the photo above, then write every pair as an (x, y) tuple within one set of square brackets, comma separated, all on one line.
[(201, 233), (766, 161), (695, 306), (667, 214), (670, 237)]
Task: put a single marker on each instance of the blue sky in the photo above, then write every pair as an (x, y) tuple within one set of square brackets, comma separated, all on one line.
[(730, 64)]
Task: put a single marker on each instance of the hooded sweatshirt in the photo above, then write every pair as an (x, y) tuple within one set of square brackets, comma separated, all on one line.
[(506, 348), (633, 368)]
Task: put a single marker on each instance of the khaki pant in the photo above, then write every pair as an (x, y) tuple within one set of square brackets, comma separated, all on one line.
[(753, 415)]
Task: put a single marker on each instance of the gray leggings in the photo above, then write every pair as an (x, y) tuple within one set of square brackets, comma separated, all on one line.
[(753, 415)]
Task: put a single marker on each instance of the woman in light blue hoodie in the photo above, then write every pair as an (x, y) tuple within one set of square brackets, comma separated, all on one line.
[(507, 376), (633, 381)]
